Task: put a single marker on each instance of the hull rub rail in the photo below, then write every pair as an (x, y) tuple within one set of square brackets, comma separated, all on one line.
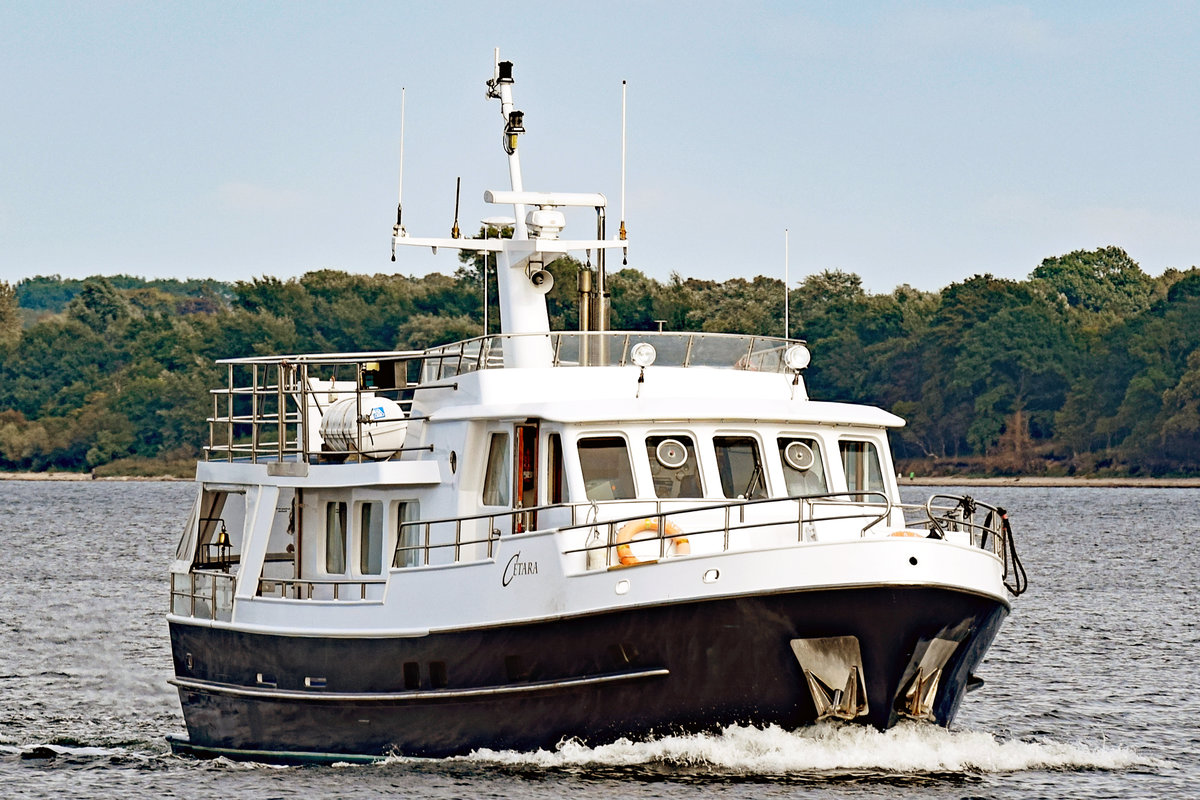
[(213, 687)]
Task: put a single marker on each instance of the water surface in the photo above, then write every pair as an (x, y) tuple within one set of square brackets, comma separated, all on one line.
[(1091, 688)]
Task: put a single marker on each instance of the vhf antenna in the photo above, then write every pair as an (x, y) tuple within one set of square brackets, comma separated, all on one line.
[(398, 228), (624, 251)]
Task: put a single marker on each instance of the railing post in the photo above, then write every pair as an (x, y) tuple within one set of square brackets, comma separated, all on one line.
[(212, 427), (726, 550), (280, 427), (229, 415), (254, 414)]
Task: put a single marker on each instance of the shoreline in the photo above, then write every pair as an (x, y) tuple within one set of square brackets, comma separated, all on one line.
[(1034, 481), (83, 476), (1040, 481)]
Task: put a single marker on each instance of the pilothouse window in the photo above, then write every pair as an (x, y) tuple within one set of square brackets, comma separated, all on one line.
[(607, 474), (673, 466), (740, 467), (863, 471), (803, 467)]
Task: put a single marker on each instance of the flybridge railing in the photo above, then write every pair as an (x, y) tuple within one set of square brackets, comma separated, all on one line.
[(613, 349), (270, 408)]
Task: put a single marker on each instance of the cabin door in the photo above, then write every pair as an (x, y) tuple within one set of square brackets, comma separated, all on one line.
[(525, 488)]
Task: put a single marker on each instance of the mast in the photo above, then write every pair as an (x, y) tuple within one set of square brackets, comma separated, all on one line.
[(521, 277)]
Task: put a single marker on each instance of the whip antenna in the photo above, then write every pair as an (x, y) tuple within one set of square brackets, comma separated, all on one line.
[(625, 251), (398, 228), (786, 329)]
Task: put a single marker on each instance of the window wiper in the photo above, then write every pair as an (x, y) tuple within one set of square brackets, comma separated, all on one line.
[(755, 479)]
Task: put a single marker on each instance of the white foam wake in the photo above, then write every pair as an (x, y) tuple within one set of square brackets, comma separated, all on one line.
[(905, 749)]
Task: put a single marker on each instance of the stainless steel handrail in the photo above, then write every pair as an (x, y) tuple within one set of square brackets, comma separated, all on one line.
[(832, 499)]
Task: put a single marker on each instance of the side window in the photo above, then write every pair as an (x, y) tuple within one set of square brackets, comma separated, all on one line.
[(740, 466), (673, 466), (335, 538), (370, 538), (554, 468), (496, 483), (863, 471), (803, 467), (607, 474), (409, 535)]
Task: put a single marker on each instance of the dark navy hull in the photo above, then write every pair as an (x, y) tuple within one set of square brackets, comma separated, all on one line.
[(636, 672)]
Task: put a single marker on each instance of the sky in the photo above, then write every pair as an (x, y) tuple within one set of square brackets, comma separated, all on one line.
[(913, 143)]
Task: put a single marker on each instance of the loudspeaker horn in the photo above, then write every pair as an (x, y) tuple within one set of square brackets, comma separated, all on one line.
[(542, 281)]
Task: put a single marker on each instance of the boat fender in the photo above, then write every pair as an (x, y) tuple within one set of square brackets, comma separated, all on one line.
[(631, 529)]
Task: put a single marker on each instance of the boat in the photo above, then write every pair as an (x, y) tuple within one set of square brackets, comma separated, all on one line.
[(536, 536)]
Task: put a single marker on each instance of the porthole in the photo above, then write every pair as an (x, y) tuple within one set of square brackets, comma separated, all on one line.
[(453, 462)]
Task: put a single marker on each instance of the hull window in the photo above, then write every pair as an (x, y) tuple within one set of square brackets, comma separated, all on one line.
[(496, 483), (863, 471), (803, 466), (607, 473), (740, 466), (335, 538), (673, 466)]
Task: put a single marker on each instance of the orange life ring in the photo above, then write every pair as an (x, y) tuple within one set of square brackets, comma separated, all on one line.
[(904, 533), (630, 529)]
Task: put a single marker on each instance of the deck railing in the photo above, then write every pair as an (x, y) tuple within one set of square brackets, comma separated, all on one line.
[(942, 517), (270, 407), (206, 594), (339, 589), (612, 349)]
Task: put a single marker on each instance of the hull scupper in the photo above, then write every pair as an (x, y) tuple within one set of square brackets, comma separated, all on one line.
[(532, 536)]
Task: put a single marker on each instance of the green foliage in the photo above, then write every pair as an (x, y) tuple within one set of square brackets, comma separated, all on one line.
[(10, 314), (52, 294), (1088, 362), (1105, 280)]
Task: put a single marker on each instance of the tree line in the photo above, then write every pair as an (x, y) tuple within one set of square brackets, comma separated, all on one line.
[(1088, 366)]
